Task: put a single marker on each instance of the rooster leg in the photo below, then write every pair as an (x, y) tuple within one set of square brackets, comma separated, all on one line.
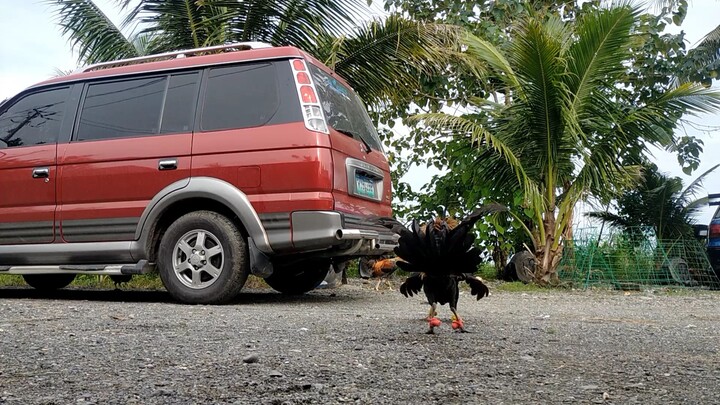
[(389, 284), (433, 312), (457, 322), (377, 285), (433, 322)]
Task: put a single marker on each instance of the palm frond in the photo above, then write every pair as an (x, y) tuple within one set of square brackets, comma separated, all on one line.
[(694, 187), (180, 24), (487, 53), (91, 33), (479, 134), (609, 217), (601, 48), (690, 98), (385, 59), (539, 64), (294, 22), (709, 46)]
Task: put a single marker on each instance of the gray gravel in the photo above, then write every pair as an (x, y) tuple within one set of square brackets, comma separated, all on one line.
[(356, 345)]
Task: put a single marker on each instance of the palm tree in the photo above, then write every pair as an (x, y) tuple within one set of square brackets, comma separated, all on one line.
[(382, 59), (562, 127), (660, 203)]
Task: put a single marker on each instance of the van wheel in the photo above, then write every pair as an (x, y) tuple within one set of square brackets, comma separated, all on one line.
[(203, 259), (48, 282), (298, 278)]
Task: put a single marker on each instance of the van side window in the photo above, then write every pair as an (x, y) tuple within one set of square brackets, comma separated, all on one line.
[(240, 96), (122, 109), (180, 103), (34, 119)]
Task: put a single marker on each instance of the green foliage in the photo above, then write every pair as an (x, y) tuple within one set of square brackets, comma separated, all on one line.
[(660, 203), (382, 59), (487, 272), (556, 126), (655, 61)]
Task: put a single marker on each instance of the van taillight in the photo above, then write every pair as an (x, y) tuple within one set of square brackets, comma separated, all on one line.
[(302, 78), (312, 112), (307, 95), (298, 65), (714, 231)]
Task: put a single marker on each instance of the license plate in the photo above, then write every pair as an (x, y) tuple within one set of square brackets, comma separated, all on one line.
[(365, 187)]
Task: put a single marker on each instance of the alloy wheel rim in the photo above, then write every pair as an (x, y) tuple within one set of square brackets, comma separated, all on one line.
[(198, 259)]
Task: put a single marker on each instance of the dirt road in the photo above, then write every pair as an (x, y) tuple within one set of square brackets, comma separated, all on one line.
[(354, 345)]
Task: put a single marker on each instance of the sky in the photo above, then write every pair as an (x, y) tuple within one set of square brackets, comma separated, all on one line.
[(33, 48)]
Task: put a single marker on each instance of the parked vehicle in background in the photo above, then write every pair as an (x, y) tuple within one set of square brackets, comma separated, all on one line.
[(207, 165), (713, 235)]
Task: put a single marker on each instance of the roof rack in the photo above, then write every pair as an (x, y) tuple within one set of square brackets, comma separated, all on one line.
[(238, 46)]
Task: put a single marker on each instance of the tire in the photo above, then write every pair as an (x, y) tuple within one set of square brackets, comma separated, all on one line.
[(203, 259), (298, 278), (680, 271), (524, 265), (48, 282)]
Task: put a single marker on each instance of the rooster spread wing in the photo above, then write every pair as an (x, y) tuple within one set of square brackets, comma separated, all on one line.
[(412, 285), (477, 287)]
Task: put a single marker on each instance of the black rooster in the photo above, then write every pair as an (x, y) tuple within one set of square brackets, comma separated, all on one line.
[(440, 255)]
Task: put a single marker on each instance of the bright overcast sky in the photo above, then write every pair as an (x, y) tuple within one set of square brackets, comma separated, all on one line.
[(32, 48)]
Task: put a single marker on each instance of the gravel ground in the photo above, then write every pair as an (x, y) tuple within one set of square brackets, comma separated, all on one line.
[(356, 345)]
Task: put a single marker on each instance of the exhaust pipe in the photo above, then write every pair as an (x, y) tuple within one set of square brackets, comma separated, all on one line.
[(355, 234)]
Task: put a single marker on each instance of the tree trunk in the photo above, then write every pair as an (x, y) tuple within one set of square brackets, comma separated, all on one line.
[(499, 256), (547, 259)]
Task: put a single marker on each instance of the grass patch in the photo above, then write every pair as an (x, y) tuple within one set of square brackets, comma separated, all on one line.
[(11, 280), (103, 282), (256, 283), (100, 282), (487, 271), (519, 286)]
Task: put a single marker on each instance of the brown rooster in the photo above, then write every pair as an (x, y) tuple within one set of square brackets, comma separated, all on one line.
[(381, 269), (440, 255)]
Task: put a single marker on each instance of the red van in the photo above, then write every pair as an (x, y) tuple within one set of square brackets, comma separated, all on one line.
[(207, 165)]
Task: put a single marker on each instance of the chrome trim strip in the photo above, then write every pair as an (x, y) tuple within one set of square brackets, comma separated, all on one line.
[(111, 270)]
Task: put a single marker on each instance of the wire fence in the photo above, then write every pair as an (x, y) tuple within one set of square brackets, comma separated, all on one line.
[(635, 260)]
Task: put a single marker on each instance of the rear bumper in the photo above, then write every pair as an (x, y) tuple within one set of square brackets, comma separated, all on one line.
[(714, 256), (339, 234)]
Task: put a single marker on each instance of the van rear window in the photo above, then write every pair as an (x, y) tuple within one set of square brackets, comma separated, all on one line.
[(343, 109)]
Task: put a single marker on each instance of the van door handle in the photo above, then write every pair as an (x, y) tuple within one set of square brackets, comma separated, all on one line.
[(167, 164), (41, 173)]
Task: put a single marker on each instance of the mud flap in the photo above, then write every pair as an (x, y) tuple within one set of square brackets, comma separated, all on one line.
[(260, 264)]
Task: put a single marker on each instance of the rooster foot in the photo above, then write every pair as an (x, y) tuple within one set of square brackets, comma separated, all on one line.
[(458, 325)]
